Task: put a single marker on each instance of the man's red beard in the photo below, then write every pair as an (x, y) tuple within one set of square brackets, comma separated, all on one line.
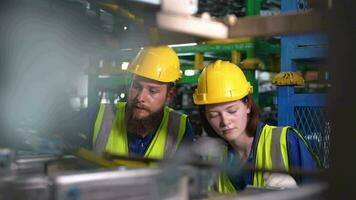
[(144, 125)]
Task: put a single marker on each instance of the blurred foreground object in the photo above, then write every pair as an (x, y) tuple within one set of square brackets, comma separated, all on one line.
[(230, 26), (279, 180), (88, 175)]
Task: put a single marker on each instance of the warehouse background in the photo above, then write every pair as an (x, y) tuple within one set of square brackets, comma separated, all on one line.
[(55, 56)]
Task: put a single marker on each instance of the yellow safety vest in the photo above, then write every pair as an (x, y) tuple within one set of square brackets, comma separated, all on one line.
[(224, 183), (110, 133), (271, 152)]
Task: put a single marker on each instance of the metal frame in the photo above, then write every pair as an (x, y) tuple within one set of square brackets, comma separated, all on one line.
[(296, 48)]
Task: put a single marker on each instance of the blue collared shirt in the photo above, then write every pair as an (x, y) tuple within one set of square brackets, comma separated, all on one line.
[(138, 145)]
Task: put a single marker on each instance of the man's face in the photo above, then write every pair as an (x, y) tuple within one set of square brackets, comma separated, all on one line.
[(146, 97)]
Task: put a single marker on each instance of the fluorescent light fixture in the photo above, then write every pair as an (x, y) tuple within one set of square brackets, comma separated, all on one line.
[(264, 76), (182, 45), (189, 72), (185, 54), (124, 65), (101, 63), (103, 76), (153, 2), (85, 103), (127, 49)]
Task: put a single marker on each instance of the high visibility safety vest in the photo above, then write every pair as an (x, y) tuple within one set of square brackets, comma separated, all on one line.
[(224, 183), (271, 153), (110, 133)]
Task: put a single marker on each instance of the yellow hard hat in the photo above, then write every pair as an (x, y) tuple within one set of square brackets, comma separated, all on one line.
[(157, 63), (220, 82)]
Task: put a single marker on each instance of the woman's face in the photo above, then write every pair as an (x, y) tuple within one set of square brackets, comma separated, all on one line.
[(228, 119)]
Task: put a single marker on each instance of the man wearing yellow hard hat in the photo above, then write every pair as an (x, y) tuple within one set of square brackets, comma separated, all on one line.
[(228, 111), (144, 125)]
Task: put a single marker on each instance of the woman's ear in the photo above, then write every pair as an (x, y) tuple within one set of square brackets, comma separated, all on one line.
[(248, 109), (247, 103)]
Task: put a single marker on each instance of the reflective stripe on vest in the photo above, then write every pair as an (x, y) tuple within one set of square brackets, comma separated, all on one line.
[(224, 183), (271, 152), (110, 132)]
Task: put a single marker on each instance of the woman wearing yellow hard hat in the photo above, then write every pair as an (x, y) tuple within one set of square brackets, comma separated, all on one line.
[(229, 112)]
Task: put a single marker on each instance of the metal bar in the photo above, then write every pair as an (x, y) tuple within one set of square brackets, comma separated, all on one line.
[(264, 47), (285, 109), (292, 23), (250, 7), (309, 100), (251, 75), (308, 39), (287, 64), (204, 48), (308, 53), (235, 57)]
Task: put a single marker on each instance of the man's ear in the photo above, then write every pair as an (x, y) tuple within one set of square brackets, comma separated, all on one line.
[(171, 94)]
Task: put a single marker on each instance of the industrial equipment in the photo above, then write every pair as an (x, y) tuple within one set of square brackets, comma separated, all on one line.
[(87, 175)]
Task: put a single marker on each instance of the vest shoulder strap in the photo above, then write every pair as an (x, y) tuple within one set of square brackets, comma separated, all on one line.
[(278, 141), (105, 128), (271, 152), (310, 149), (175, 131)]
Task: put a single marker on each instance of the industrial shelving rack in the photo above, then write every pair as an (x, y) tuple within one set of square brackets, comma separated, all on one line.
[(305, 111)]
